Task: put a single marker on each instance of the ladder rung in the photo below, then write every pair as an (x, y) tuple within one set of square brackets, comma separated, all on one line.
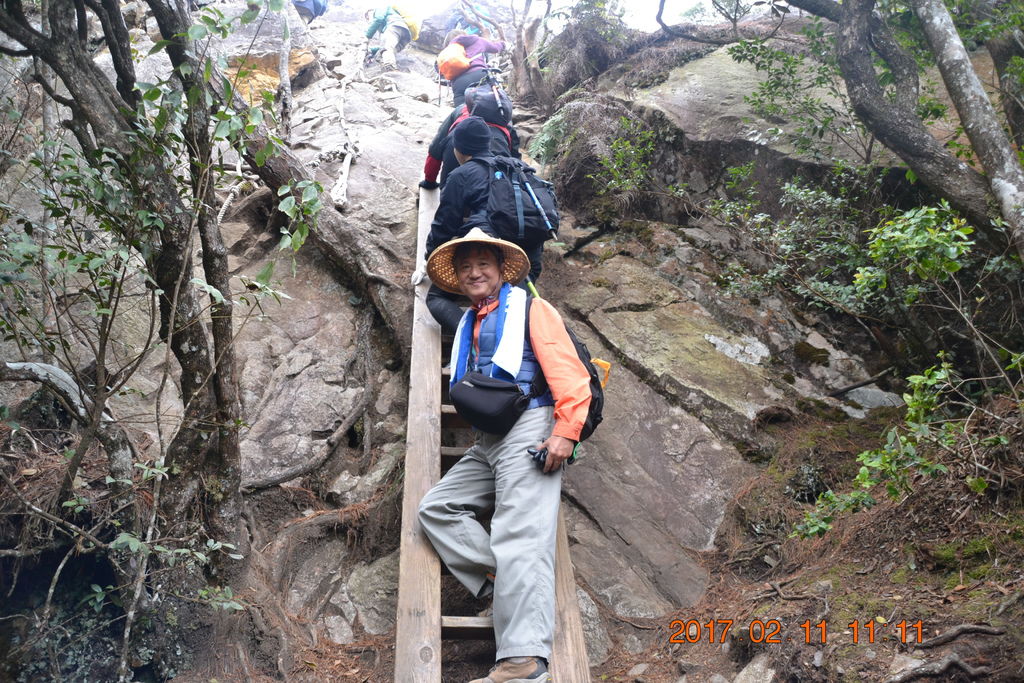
[(450, 418), (467, 628), (451, 455)]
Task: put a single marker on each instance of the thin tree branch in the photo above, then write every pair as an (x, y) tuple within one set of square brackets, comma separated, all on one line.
[(14, 53), (64, 524)]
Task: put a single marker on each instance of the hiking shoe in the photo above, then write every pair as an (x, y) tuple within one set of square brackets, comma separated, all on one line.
[(518, 670)]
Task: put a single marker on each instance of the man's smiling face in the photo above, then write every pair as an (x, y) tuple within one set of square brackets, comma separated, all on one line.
[(479, 274)]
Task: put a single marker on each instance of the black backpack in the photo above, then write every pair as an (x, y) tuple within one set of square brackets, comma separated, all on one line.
[(481, 101), (596, 410), (521, 207)]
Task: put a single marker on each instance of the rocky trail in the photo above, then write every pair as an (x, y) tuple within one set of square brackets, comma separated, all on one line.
[(719, 422)]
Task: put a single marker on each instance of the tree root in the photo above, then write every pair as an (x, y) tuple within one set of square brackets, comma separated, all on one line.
[(956, 632), (1009, 602), (939, 667), (785, 596)]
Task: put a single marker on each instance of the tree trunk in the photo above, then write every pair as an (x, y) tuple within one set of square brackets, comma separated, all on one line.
[(372, 267), (1005, 47), (989, 141), (893, 120), (102, 119)]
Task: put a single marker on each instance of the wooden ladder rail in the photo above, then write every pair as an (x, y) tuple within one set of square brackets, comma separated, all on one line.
[(420, 625), (418, 629)]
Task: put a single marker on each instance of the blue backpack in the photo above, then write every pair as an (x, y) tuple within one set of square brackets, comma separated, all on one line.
[(310, 9)]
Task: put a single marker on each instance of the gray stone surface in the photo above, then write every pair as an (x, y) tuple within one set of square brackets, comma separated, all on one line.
[(664, 338), (638, 670), (373, 588), (599, 644), (759, 670), (642, 514), (901, 662), (319, 573), (873, 397)]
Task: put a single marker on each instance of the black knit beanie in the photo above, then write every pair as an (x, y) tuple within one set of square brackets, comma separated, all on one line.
[(472, 137)]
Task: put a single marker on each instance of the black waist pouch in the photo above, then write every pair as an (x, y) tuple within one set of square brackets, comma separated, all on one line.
[(491, 405)]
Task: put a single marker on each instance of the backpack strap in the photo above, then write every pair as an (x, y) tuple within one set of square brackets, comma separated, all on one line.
[(539, 383), (460, 118), (517, 190)]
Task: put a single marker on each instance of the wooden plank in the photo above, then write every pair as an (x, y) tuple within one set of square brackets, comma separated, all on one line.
[(569, 657), (450, 456), (418, 629), (467, 628), (450, 418)]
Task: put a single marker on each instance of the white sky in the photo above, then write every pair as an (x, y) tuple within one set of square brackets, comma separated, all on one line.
[(640, 14)]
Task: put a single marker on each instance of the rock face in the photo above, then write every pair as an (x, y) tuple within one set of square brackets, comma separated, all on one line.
[(671, 343), (693, 373), (651, 487)]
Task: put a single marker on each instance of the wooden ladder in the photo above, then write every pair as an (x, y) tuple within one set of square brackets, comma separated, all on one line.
[(421, 626)]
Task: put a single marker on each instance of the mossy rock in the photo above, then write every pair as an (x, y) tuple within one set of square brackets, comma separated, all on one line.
[(810, 353)]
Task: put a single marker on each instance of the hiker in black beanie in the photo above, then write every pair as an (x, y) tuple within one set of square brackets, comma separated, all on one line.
[(472, 138), (463, 206)]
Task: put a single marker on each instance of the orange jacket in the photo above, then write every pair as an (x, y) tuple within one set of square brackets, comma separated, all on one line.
[(567, 378)]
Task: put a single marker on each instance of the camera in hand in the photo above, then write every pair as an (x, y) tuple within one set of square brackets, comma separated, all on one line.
[(540, 456)]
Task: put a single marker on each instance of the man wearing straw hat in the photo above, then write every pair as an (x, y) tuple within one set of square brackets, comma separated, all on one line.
[(515, 562)]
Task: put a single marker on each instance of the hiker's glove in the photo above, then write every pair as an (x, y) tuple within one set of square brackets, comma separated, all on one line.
[(417, 276), (428, 185)]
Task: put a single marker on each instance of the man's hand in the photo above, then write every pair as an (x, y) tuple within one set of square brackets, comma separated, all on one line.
[(417, 276), (428, 184), (559, 450)]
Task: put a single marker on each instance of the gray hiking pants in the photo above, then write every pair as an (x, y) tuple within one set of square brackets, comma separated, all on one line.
[(497, 473), (392, 40)]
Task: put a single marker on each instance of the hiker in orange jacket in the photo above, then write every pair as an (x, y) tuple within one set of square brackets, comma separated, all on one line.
[(515, 561)]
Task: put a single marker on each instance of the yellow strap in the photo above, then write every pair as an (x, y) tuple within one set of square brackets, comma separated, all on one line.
[(604, 365)]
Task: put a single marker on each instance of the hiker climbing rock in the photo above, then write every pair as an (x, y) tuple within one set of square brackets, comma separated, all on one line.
[(508, 343), (461, 21), (397, 28), (495, 108), (310, 9), (463, 206), (476, 49)]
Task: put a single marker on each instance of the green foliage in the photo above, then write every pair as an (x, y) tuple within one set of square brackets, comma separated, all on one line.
[(79, 274), (815, 250), (626, 168), (605, 15), (807, 90), (98, 596), (221, 597), (839, 248), (544, 145), (301, 203), (901, 459), (928, 243)]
